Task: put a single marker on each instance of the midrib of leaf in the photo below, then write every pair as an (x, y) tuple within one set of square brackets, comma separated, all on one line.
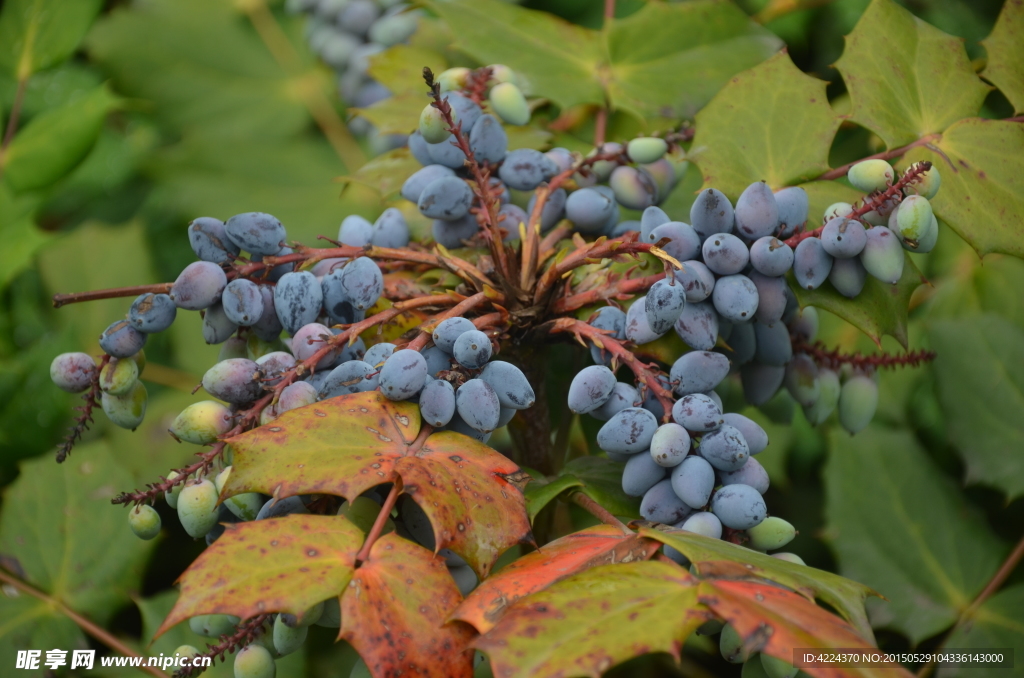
[(25, 60), (989, 617), (40, 609)]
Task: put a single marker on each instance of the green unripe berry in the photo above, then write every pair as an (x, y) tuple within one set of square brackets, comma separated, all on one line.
[(254, 661), (186, 651), (926, 185), (837, 209), (858, 400), (777, 668), (202, 423), (331, 617), (171, 495), (790, 558), (197, 507), (508, 102), (752, 668), (913, 218), (286, 638), (391, 30), (871, 175), (801, 380), (246, 505), (453, 79), (144, 521), (307, 618), (118, 376), (828, 398), (362, 512), (770, 534), (213, 625), (501, 73), (883, 255), (128, 410), (926, 243), (360, 670), (432, 125), (646, 149), (731, 645)]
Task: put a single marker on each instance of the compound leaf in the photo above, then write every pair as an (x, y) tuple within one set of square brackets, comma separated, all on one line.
[(983, 356), (346, 445), (771, 123), (562, 558), (928, 574), (1005, 47), (285, 564), (586, 624), (845, 595), (998, 623), (394, 610), (982, 168), (906, 78)]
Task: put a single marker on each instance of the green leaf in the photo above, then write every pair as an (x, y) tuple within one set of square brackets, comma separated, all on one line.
[(771, 123), (154, 610), (845, 595), (394, 612), (982, 193), (601, 480), (976, 287), (201, 64), (60, 534), (666, 60), (586, 624), (906, 78), (528, 136), (471, 493), (879, 309), (555, 59), (287, 564), (980, 377), (19, 234), (540, 492), (55, 141), (37, 34), (999, 622), (400, 69), (900, 526), (1005, 47), (397, 114), (386, 173), (669, 60)]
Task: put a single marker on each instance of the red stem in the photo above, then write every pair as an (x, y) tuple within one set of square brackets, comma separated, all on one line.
[(598, 511), (464, 306), (385, 513), (600, 249), (872, 201), (833, 358), (841, 171), (645, 374), (619, 290)]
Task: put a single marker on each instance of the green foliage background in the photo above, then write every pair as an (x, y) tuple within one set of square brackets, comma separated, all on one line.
[(138, 117)]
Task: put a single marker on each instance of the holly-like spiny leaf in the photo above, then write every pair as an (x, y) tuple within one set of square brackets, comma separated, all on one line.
[(845, 595), (771, 123), (1005, 48), (344, 446), (285, 564), (584, 625), (878, 310), (386, 173), (394, 613), (906, 78), (982, 194), (928, 575), (775, 621), (562, 558), (998, 622)]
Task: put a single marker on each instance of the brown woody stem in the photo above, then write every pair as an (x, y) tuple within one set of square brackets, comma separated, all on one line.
[(385, 513), (619, 290)]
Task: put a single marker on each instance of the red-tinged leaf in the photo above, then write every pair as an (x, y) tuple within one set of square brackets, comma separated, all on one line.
[(775, 621), (845, 595), (344, 446), (584, 625), (562, 558), (287, 564), (394, 612)]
